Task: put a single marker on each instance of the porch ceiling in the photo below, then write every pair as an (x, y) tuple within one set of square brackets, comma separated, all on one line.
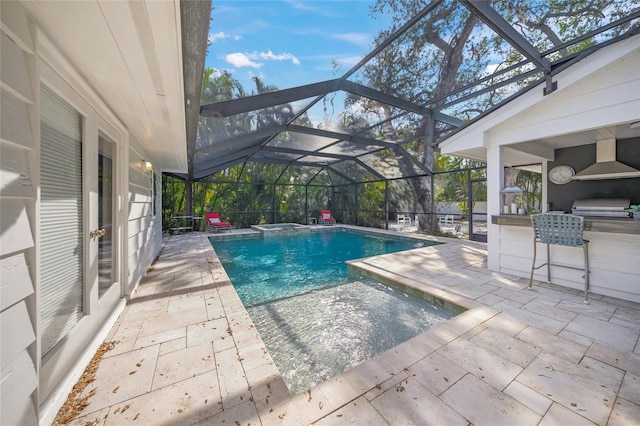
[(131, 54)]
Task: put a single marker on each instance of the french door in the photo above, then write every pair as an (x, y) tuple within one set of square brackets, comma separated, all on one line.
[(79, 230)]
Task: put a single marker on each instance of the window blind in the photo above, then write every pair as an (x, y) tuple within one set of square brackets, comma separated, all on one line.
[(61, 219)]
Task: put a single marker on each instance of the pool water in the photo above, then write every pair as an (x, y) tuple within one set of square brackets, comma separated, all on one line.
[(318, 335), (268, 269), (315, 319)]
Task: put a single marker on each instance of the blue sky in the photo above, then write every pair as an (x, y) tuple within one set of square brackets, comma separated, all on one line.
[(289, 43)]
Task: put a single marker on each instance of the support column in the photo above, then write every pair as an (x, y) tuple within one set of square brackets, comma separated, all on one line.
[(495, 183)]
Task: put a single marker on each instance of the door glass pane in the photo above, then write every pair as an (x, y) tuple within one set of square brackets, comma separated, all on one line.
[(61, 219), (105, 214)]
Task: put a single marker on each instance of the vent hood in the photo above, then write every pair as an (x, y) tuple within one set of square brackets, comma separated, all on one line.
[(606, 166)]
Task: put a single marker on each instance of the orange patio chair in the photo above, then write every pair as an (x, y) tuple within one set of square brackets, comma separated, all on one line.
[(326, 218), (214, 223)]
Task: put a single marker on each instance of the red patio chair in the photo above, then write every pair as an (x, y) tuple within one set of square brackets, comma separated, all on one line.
[(326, 218), (214, 222)]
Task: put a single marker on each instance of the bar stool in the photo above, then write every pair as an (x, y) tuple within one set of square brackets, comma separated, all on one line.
[(560, 229)]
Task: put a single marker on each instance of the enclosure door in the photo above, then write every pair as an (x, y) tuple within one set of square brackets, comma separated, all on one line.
[(478, 210)]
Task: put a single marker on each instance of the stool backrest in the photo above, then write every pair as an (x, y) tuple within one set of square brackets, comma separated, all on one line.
[(558, 228)]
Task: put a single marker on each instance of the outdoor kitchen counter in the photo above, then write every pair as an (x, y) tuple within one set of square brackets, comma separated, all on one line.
[(594, 224)]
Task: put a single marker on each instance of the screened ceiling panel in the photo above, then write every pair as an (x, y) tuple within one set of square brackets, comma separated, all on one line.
[(414, 61), (387, 164), (274, 155), (337, 178), (441, 65), (350, 149), (314, 159), (322, 179), (260, 124), (301, 141), (608, 13), (257, 172), (298, 175), (356, 172)]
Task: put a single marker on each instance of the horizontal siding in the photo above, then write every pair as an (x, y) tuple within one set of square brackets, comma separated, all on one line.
[(139, 210), (139, 194), (19, 380), (15, 179), (137, 177), (15, 280), (18, 126), (14, 69), (15, 226), (15, 123), (16, 24), (137, 225), (608, 94), (614, 261), (145, 233), (16, 328)]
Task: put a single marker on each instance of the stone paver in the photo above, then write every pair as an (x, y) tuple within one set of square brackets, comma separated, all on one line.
[(187, 352), (483, 404)]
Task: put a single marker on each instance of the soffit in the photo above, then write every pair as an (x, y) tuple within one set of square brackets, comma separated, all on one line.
[(130, 53)]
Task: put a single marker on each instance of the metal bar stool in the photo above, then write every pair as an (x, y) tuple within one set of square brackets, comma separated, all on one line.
[(560, 229)]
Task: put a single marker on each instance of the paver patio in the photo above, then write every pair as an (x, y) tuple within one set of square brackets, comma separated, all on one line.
[(187, 353)]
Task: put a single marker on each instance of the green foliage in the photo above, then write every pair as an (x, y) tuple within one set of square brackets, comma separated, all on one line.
[(531, 184)]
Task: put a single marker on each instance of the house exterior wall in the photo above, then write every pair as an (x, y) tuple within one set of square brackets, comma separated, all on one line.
[(145, 222), (18, 180), (32, 389)]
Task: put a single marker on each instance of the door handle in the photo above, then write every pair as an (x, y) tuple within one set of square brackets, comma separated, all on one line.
[(97, 233)]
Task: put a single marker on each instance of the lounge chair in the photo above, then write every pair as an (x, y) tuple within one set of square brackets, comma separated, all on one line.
[(403, 220), (326, 218), (214, 223)]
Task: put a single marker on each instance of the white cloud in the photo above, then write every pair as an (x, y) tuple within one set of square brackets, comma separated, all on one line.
[(306, 7), (250, 59), (282, 57), (221, 36), (359, 39), (241, 60)]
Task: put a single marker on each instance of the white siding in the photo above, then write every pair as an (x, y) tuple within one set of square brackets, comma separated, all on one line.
[(145, 230), (19, 379), (27, 383), (609, 95), (17, 197), (14, 286), (614, 261)]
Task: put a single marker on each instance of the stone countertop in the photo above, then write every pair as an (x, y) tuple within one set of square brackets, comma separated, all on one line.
[(593, 224)]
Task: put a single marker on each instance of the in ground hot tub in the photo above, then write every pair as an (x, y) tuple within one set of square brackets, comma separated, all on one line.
[(278, 228)]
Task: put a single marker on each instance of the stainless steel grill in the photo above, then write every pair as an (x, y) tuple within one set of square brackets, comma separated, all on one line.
[(601, 207)]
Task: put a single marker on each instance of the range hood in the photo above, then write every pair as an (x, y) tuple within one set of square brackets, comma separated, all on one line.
[(606, 166)]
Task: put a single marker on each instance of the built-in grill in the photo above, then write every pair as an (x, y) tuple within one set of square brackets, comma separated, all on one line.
[(601, 207)]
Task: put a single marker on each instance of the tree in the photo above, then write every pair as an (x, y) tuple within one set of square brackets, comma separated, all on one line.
[(449, 49)]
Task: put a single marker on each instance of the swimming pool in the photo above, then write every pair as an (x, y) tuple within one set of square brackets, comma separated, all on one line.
[(315, 319), (265, 269)]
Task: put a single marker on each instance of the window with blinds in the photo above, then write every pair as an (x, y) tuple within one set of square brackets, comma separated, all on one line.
[(61, 219)]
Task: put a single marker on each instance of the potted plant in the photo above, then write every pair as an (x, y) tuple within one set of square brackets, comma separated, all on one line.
[(635, 209)]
